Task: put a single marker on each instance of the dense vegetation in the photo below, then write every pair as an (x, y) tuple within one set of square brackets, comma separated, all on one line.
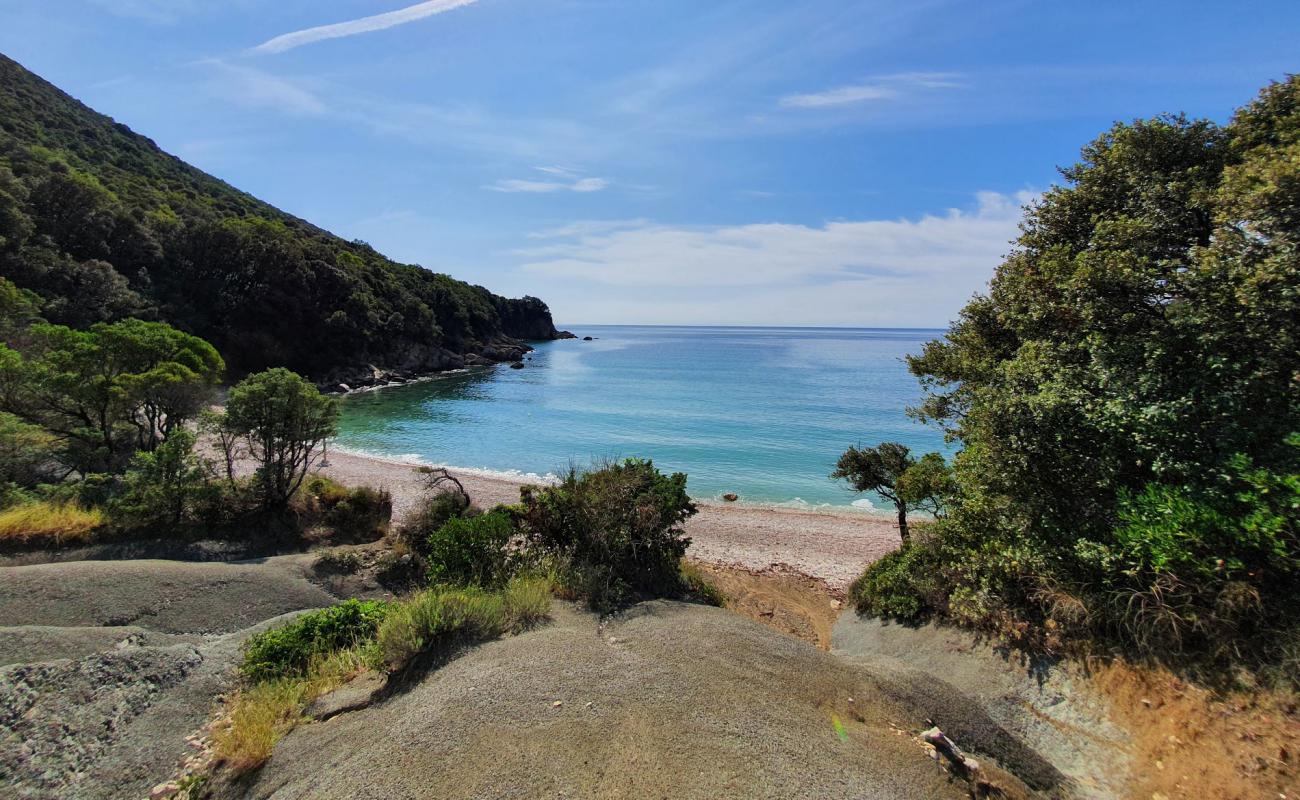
[(607, 535), (102, 225), (1128, 396), (98, 440)]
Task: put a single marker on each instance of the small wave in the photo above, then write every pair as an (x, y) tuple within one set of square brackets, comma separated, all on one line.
[(417, 460)]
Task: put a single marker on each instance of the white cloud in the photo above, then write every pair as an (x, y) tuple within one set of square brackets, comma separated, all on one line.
[(378, 22), (884, 87), (886, 272), (570, 183), (251, 87)]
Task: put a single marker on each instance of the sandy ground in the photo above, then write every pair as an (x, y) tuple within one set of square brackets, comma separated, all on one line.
[(834, 546)]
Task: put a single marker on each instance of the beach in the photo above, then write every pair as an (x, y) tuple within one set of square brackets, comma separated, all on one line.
[(833, 546)]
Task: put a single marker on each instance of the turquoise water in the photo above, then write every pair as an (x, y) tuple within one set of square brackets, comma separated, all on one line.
[(763, 412)]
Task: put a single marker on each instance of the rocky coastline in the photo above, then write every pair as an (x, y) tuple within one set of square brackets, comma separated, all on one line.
[(421, 362)]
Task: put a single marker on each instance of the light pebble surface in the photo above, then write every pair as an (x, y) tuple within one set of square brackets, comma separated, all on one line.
[(834, 546)]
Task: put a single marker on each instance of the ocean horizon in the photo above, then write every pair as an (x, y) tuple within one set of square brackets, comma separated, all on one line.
[(761, 411)]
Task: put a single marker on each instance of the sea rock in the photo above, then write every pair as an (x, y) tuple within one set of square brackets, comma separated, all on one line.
[(731, 497), (565, 335), (517, 365), (476, 360), (586, 338)]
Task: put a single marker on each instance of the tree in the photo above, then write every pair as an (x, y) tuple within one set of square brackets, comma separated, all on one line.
[(1125, 397), (160, 486), (888, 469), (26, 452), (109, 391), (283, 420)]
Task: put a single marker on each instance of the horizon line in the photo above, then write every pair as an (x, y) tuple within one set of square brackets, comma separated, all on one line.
[(743, 327)]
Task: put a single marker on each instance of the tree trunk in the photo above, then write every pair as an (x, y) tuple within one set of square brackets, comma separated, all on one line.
[(903, 533)]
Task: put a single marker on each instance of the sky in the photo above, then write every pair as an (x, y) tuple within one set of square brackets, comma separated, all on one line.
[(753, 162)]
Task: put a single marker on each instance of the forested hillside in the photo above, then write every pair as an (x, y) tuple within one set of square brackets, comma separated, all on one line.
[(103, 225)]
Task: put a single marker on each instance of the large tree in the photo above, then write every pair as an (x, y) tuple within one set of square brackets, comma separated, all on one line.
[(284, 421), (1135, 362), (108, 391)]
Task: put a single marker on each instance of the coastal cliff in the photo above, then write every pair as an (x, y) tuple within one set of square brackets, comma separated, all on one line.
[(101, 224)]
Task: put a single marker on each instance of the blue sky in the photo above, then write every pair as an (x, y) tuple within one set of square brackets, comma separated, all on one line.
[(827, 162)]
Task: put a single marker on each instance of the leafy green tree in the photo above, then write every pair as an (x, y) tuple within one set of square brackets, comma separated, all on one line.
[(1125, 395), (111, 390), (890, 470), (26, 452), (284, 421), (160, 487)]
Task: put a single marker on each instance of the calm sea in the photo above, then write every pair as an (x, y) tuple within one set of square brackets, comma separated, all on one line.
[(763, 412)]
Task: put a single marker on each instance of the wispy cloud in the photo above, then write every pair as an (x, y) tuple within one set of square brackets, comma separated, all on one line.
[(378, 22), (968, 242), (252, 87), (909, 272), (571, 182), (884, 87)]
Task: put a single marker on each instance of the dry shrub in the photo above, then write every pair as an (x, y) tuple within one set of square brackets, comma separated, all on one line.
[(42, 524)]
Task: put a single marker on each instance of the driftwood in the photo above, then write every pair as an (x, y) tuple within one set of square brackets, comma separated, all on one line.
[(436, 479), (960, 764)]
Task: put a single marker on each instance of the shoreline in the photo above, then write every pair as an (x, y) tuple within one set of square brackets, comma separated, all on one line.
[(825, 543)]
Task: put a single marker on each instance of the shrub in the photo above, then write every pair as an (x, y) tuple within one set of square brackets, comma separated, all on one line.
[(617, 530), (435, 510), (45, 524), (162, 487), (343, 562), (698, 584), (289, 649), (472, 551), (360, 514), (527, 601), (442, 617)]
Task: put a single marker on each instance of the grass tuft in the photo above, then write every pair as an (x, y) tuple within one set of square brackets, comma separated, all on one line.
[(701, 586), (260, 715), (43, 524)]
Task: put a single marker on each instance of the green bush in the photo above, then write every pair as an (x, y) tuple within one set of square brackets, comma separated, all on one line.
[(617, 530), (472, 551), (289, 649), (434, 511), (442, 617), (438, 618), (358, 514), (891, 587), (162, 487)]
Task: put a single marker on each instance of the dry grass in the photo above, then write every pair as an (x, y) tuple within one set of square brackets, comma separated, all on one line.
[(1189, 743), (262, 713), (44, 524), (259, 715)]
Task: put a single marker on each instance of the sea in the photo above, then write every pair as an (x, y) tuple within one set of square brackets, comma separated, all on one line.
[(760, 412)]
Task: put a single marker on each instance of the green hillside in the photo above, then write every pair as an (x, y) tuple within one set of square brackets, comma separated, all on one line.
[(102, 225)]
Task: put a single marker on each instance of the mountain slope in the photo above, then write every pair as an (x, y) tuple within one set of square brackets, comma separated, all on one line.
[(102, 224)]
